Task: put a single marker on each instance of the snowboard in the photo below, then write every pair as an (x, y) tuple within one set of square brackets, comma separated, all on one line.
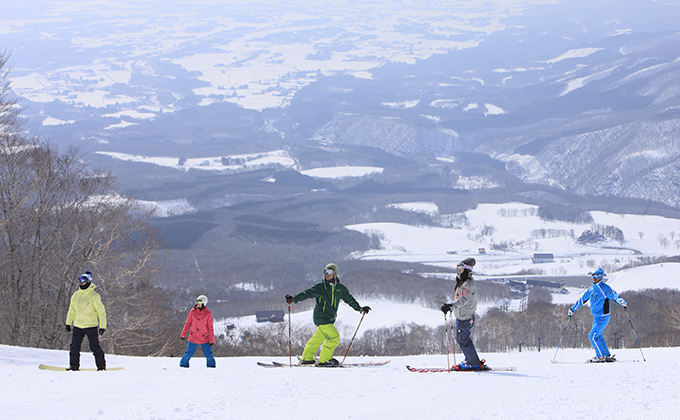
[(58, 368)]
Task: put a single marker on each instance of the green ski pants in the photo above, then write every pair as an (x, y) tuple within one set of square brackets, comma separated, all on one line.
[(326, 335)]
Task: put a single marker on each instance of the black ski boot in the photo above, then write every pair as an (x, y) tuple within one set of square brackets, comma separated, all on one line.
[(331, 363)]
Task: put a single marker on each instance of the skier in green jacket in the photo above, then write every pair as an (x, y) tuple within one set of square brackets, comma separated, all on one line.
[(328, 294), (87, 314)]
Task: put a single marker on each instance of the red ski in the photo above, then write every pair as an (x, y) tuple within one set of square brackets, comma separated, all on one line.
[(488, 369)]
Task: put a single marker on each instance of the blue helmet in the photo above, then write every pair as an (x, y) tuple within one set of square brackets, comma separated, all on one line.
[(599, 273)]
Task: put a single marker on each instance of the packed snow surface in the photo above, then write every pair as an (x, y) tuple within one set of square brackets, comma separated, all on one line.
[(157, 388)]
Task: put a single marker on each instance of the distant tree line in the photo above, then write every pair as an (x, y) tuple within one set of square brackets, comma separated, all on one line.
[(649, 260), (609, 232), (567, 213), (551, 233), (407, 287)]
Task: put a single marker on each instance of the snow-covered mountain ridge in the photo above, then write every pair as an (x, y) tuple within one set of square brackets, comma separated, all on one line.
[(517, 82)]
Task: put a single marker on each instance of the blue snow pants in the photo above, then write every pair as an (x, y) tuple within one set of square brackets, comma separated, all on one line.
[(596, 335), (463, 330), (191, 349)]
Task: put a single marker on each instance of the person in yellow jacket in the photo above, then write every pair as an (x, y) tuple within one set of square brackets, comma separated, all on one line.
[(87, 314)]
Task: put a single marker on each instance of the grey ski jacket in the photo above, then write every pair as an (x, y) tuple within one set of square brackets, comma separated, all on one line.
[(465, 300)]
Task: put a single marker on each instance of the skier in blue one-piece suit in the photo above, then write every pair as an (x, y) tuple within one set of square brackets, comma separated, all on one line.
[(599, 295)]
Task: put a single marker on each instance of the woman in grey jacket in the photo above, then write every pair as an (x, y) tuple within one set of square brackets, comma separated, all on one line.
[(464, 306)]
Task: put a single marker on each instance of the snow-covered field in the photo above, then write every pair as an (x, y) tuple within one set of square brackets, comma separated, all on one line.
[(156, 388), (255, 54), (518, 226), (212, 163), (649, 236)]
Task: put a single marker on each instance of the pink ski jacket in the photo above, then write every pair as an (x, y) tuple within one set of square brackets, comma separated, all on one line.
[(199, 326)]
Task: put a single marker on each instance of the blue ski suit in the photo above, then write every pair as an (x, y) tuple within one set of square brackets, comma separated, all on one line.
[(599, 294)]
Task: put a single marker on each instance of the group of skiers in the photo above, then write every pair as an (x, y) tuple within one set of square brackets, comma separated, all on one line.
[(87, 315)]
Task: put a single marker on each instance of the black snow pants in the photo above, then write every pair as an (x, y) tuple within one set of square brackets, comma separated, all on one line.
[(93, 339)]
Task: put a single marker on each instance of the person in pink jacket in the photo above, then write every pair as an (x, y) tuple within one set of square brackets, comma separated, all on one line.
[(198, 329)]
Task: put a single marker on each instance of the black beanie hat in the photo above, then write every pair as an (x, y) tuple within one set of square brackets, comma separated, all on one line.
[(469, 262)]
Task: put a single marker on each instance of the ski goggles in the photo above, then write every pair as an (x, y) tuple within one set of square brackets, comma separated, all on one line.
[(464, 266), (83, 279), (329, 271), (199, 302)]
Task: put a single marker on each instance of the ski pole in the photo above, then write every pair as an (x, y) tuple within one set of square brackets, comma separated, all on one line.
[(453, 340), (636, 339), (290, 340), (355, 334), (561, 337), (446, 333)]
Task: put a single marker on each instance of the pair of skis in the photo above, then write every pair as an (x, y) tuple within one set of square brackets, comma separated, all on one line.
[(344, 365), (434, 370), (609, 359)]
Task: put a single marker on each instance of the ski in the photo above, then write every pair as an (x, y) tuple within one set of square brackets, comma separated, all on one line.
[(490, 369), (63, 369), (371, 363), (267, 365), (345, 365), (612, 359), (588, 362)]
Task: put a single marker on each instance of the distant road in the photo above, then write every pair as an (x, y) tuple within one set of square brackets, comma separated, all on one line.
[(571, 281), (634, 251)]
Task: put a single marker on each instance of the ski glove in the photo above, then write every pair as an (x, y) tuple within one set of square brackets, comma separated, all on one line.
[(571, 313), (446, 308), (365, 309), (181, 338), (289, 299), (68, 328), (101, 331)]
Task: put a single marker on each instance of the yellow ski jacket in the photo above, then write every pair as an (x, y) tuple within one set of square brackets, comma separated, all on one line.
[(86, 309)]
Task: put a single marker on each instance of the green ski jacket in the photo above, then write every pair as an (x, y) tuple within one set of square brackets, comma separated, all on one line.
[(328, 297)]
